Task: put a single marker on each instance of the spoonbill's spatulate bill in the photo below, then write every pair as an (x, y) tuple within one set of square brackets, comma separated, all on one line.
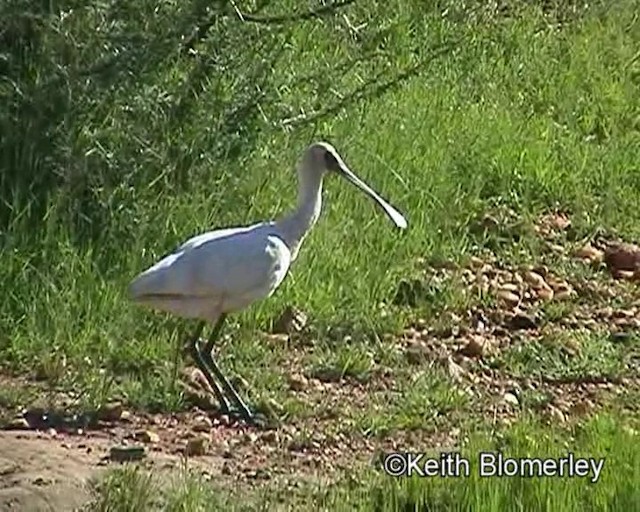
[(222, 271)]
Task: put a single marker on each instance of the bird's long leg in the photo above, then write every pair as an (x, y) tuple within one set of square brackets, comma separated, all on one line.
[(197, 357), (206, 354)]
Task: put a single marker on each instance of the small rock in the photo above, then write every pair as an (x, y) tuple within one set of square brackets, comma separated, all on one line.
[(556, 414), (274, 406), (239, 382), (127, 453), (559, 221), (557, 248), (40, 481), (327, 374), (271, 436), (508, 297), (623, 256), (298, 382), (582, 408), (111, 412), (147, 436), (476, 346), (292, 320), (18, 424), (475, 262), (250, 437), (416, 353), (545, 293), (511, 399), (455, 371), (563, 292), (522, 320), (626, 275), (590, 253), (197, 446), (509, 287), (543, 270), (535, 280), (202, 423), (278, 338)]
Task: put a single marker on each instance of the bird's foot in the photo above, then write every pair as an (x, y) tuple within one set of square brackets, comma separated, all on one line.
[(255, 419)]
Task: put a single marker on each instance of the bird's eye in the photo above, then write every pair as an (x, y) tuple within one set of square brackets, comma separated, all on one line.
[(331, 162)]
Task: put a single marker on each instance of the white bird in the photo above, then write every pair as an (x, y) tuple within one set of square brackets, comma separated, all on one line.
[(223, 271)]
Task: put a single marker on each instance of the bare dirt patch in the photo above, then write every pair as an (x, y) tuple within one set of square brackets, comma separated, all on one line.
[(38, 473)]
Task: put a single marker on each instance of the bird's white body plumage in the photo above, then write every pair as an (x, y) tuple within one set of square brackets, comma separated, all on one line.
[(217, 272)]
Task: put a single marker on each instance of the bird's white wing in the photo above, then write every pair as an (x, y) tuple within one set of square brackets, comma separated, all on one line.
[(232, 267)]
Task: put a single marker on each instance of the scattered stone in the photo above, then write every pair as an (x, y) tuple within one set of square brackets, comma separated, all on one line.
[(127, 453), (278, 338), (557, 248), (40, 481), (202, 423), (590, 253), (581, 408), (292, 320), (556, 414), (543, 270), (522, 320), (626, 275), (416, 353), (271, 436), (622, 256), (476, 346), (563, 292), (250, 437), (111, 412), (476, 263), (535, 280), (559, 221), (327, 374), (455, 371), (509, 287), (19, 423), (147, 436), (298, 382), (545, 293), (508, 297), (511, 399), (197, 446), (273, 406)]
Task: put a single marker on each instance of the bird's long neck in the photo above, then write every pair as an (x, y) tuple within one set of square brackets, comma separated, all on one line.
[(295, 226)]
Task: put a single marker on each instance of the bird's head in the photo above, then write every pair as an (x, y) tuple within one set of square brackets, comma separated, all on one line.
[(321, 158)]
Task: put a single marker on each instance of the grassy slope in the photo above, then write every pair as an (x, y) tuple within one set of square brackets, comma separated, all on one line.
[(155, 146)]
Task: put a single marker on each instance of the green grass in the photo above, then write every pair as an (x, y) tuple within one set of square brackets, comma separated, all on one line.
[(570, 355), (117, 143)]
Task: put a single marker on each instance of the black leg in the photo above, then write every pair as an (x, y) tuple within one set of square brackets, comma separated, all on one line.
[(207, 357), (197, 357)]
